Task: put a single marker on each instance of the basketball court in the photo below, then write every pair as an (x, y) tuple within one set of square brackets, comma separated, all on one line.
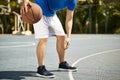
[(96, 56)]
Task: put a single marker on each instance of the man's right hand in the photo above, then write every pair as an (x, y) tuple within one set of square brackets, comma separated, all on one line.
[(24, 7)]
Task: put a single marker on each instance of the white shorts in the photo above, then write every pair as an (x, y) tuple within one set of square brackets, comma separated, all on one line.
[(48, 26)]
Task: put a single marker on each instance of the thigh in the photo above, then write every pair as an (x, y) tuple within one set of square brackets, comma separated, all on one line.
[(41, 29), (55, 27)]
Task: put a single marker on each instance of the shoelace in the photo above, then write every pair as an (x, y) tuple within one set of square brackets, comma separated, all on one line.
[(44, 69), (67, 64)]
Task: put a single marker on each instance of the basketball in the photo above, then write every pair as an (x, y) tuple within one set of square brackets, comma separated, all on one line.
[(33, 15)]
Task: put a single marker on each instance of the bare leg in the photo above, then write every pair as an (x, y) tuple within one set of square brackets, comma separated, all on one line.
[(60, 48), (41, 51)]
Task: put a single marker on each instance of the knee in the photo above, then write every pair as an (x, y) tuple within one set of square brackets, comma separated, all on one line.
[(61, 38), (43, 41)]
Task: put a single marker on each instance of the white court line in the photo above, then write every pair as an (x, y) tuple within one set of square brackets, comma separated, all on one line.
[(16, 44), (80, 59)]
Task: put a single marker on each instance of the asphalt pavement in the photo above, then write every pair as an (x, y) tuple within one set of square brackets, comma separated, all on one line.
[(97, 57)]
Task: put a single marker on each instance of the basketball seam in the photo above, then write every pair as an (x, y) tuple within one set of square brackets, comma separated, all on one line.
[(33, 15)]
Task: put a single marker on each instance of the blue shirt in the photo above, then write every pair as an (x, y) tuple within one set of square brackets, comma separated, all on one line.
[(49, 7)]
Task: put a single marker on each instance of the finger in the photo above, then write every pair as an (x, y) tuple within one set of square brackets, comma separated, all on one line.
[(30, 4), (25, 8), (21, 10), (67, 45)]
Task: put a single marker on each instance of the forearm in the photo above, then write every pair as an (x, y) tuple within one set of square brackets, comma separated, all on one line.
[(69, 27), (69, 23)]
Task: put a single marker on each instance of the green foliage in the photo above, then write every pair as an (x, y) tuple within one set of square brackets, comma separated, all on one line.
[(3, 2), (81, 20), (8, 20), (98, 15), (115, 18)]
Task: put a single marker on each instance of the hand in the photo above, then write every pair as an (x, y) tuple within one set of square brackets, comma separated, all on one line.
[(24, 7), (67, 43)]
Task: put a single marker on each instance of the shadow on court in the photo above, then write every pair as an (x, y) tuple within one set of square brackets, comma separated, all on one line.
[(19, 75), (16, 75)]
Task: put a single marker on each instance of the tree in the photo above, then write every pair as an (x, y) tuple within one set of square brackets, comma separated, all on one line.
[(114, 17), (91, 16)]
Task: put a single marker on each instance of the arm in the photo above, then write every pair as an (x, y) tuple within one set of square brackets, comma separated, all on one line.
[(68, 24)]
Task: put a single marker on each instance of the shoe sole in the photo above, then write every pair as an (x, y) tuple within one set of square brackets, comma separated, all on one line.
[(61, 69), (45, 76)]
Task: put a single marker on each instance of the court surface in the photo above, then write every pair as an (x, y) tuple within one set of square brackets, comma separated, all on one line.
[(96, 56)]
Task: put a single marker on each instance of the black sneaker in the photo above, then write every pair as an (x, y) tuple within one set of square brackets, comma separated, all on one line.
[(42, 72), (65, 66)]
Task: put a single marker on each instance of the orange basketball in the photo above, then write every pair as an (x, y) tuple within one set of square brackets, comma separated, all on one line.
[(33, 15)]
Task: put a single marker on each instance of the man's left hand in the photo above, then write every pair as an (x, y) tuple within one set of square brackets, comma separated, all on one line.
[(67, 43)]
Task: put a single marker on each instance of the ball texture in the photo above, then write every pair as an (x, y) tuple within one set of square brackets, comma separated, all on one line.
[(33, 15)]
